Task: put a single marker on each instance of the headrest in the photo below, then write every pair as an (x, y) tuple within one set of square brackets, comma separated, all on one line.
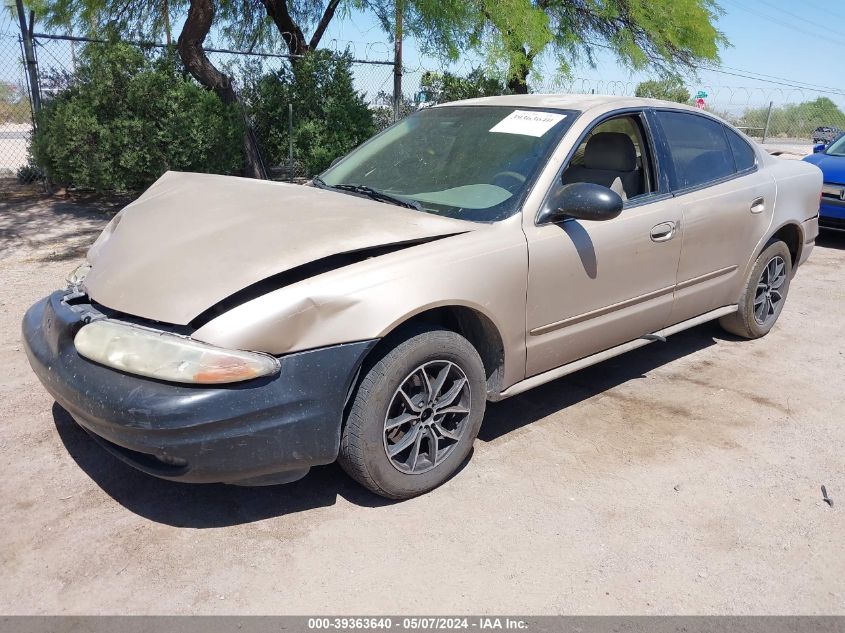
[(613, 151)]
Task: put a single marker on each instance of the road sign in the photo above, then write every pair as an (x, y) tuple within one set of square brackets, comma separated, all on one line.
[(699, 103), (700, 95)]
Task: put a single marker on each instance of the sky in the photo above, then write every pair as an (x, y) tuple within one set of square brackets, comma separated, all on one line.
[(794, 43), (789, 41)]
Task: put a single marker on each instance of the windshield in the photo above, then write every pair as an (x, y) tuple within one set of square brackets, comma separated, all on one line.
[(468, 162), (837, 148)]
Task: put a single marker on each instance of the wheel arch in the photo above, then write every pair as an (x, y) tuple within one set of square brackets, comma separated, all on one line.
[(470, 322), (789, 232), (792, 235)]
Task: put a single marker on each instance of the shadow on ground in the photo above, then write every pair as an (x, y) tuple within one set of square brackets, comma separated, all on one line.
[(208, 506), (203, 505), (48, 228), (516, 412)]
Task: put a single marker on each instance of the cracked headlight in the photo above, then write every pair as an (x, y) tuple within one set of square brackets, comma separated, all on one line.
[(165, 356)]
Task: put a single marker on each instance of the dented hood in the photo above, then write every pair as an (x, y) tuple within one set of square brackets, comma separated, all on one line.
[(192, 240)]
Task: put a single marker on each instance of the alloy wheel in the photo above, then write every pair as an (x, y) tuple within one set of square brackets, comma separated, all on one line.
[(427, 417), (768, 298)]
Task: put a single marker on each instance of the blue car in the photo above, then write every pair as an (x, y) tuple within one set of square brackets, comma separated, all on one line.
[(831, 160)]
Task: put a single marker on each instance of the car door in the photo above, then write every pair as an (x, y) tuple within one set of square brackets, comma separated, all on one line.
[(726, 204), (595, 285)]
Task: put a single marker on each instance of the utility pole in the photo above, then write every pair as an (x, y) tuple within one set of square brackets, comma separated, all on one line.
[(29, 54), (397, 62)]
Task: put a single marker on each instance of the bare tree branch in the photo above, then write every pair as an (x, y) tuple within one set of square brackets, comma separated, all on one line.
[(277, 10), (328, 14)]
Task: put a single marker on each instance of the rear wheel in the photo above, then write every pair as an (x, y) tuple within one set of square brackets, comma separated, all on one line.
[(764, 295), (415, 414)]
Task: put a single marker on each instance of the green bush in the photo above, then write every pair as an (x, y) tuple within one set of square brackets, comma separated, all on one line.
[(382, 109), (29, 173), (796, 120), (128, 117), (670, 89), (330, 117), (443, 87)]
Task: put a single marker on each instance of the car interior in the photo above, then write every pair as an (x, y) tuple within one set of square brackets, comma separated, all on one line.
[(614, 154)]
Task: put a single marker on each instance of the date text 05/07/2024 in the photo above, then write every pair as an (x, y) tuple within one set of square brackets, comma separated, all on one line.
[(417, 623)]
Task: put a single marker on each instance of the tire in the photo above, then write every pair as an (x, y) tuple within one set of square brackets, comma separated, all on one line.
[(424, 353), (746, 321)]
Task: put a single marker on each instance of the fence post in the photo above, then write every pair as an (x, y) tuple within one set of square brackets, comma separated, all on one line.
[(397, 63), (32, 74), (768, 120), (29, 55), (290, 142)]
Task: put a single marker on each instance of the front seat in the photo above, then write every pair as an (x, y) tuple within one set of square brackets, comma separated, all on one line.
[(608, 156)]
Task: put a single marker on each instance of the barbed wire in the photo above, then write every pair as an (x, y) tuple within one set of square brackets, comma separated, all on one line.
[(791, 110), (9, 26)]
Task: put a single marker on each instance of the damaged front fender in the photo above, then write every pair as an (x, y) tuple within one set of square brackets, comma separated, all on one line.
[(370, 298)]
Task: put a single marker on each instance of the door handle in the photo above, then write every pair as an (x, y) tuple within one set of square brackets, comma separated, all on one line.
[(663, 232), (759, 205)]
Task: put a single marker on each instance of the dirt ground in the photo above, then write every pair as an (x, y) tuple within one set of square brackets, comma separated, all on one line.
[(681, 478)]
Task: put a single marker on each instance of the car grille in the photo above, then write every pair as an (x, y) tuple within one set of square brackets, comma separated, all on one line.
[(833, 191)]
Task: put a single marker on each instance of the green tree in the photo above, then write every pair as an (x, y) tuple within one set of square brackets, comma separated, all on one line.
[(667, 35), (670, 89), (242, 24), (128, 118), (445, 86), (382, 109), (796, 120), (329, 117)]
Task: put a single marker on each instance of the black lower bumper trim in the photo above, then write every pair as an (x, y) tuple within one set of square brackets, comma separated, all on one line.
[(263, 430), (828, 222)]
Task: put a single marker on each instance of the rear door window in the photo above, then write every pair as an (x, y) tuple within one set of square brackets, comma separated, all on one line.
[(743, 154), (698, 147)]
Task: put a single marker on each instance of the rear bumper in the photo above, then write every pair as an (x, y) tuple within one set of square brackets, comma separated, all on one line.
[(810, 231), (262, 431)]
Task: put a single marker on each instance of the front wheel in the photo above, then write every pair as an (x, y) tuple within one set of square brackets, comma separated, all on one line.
[(764, 294), (415, 414)]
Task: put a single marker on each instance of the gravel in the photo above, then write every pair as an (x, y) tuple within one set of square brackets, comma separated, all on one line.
[(681, 478)]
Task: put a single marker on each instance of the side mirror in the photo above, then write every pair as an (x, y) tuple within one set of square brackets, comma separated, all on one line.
[(817, 149), (335, 161), (582, 201)]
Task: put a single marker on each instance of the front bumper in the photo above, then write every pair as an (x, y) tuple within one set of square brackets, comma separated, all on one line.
[(832, 213), (263, 431)]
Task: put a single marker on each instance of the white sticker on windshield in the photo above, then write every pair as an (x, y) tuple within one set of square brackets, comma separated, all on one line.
[(528, 122)]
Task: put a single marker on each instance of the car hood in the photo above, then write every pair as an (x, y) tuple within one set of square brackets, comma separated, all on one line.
[(833, 167), (192, 240)]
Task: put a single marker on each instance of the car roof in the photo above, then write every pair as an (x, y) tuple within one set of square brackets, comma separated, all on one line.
[(580, 102)]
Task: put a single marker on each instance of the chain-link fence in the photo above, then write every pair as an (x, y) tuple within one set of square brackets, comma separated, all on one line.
[(772, 113), (59, 58), (15, 112)]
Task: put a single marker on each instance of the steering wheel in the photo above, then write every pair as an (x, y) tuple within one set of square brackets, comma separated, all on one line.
[(516, 178)]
